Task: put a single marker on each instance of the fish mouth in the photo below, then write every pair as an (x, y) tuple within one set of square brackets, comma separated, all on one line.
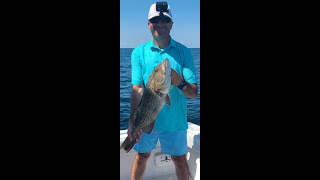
[(166, 62), (167, 66), (165, 85)]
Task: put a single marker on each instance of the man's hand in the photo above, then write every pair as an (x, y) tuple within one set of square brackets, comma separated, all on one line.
[(176, 79), (129, 134), (191, 90)]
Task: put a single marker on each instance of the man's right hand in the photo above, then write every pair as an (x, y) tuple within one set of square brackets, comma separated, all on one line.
[(129, 134)]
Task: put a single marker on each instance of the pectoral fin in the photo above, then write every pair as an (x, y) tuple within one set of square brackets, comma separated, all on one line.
[(149, 128), (168, 100)]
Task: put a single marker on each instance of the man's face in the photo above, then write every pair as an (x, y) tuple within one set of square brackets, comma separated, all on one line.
[(160, 26)]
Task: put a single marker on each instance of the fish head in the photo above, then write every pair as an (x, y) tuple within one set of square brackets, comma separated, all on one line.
[(160, 78)]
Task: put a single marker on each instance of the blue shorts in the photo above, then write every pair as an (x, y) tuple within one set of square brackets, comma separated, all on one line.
[(172, 143)]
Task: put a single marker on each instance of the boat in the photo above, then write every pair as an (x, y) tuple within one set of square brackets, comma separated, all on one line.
[(159, 165)]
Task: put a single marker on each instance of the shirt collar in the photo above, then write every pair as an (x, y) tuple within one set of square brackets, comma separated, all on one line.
[(172, 43)]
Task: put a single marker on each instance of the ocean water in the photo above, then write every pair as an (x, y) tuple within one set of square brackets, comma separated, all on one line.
[(193, 114)]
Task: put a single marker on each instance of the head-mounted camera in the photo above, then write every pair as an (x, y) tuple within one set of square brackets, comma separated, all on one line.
[(162, 7)]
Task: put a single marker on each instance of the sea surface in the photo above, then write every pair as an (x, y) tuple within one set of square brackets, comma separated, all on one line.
[(193, 113)]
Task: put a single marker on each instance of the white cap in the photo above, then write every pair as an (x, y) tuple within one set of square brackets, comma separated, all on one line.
[(153, 12)]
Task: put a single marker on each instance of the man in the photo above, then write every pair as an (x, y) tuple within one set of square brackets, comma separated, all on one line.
[(171, 124)]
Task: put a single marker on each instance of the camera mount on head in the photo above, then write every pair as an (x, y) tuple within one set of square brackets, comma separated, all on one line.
[(162, 7)]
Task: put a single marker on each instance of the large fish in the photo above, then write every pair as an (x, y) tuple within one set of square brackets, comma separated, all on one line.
[(154, 96)]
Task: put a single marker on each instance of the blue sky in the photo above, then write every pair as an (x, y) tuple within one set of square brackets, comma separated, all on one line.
[(134, 18)]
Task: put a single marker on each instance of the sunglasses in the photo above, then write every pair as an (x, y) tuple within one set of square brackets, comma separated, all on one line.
[(158, 18)]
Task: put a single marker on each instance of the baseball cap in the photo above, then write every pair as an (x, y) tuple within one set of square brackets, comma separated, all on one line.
[(153, 12)]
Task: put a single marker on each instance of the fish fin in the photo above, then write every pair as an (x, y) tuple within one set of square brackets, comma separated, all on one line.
[(149, 128), (127, 145), (168, 100)]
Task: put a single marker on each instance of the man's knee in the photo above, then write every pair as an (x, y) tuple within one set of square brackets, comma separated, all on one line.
[(179, 160), (142, 157)]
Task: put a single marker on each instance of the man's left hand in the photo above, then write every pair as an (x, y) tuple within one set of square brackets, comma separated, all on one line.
[(176, 79)]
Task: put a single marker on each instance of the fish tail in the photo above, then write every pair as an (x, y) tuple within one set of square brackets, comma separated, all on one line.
[(127, 145)]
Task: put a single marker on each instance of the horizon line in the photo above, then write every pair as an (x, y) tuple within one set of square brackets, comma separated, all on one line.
[(135, 47)]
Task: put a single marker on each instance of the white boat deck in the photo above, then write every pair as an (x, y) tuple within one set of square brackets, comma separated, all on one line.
[(163, 170), (166, 177)]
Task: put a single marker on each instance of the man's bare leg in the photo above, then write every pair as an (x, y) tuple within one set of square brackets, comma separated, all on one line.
[(139, 165), (182, 168)]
